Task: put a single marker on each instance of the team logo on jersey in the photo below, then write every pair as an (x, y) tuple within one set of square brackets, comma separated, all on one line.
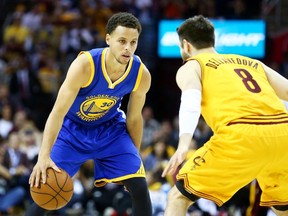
[(94, 108)]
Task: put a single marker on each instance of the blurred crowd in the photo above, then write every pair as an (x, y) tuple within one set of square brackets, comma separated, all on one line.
[(38, 41)]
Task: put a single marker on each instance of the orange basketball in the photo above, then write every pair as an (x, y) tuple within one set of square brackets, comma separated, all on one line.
[(55, 193)]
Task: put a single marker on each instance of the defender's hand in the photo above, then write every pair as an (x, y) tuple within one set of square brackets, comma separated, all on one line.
[(174, 162)]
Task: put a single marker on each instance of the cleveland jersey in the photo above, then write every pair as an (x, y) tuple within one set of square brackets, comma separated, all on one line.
[(100, 99), (235, 89)]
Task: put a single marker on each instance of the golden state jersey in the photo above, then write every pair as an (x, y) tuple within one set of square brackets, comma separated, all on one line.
[(235, 89), (100, 99)]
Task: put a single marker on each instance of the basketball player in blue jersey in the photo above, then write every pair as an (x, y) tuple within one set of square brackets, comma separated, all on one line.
[(86, 121)]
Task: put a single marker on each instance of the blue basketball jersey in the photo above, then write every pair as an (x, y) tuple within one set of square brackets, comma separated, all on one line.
[(100, 99)]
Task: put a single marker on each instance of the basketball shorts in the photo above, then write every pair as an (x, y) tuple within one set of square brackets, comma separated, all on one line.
[(109, 145), (234, 157)]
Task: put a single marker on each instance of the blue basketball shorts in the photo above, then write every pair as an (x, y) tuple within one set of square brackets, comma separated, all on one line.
[(109, 145)]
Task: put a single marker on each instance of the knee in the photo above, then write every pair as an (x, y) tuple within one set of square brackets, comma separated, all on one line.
[(177, 199), (183, 193), (137, 187), (174, 194), (139, 192)]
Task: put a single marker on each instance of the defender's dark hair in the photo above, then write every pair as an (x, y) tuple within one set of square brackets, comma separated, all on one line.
[(123, 19), (199, 31)]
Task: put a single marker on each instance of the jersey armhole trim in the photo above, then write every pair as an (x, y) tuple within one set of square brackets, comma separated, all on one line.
[(140, 72), (92, 68)]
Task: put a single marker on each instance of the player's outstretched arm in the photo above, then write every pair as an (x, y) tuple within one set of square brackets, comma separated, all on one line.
[(77, 76), (188, 79)]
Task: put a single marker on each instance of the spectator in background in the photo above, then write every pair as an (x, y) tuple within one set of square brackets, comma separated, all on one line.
[(4, 95), (26, 88), (46, 41), (207, 8), (50, 77), (191, 8), (9, 197), (237, 10), (166, 131), (173, 9), (76, 37), (99, 13), (17, 162), (142, 9), (30, 137), (4, 75), (157, 155), (150, 126), (32, 19), (24, 84), (16, 36), (6, 120), (20, 119)]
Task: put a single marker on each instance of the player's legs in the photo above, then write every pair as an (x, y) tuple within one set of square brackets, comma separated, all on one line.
[(177, 203), (65, 157), (117, 159), (138, 190), (273, 177), (229, 161), (34, 209), (69, 151)]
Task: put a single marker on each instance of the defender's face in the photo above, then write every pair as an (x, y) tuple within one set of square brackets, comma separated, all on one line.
[(123, 42)]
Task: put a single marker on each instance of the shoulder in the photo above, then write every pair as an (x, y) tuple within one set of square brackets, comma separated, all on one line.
[(79, 71), (189, 67), (83, 60), (144, 81), (189, 75), (90, 55), (146, 76), (191, 63), (146, 73), (96, 51)]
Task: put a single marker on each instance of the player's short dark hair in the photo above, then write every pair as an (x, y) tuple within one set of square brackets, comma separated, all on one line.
[(123, 19), (198, 31)]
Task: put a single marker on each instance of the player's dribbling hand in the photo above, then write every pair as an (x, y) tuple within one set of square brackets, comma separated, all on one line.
[(39, 171)]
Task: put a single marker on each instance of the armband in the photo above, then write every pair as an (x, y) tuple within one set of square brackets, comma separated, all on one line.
[(189, 112)]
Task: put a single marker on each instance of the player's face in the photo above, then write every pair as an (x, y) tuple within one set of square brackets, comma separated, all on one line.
[(123, 42)]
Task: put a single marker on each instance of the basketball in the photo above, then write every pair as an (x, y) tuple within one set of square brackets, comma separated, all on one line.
[(56, 192)]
